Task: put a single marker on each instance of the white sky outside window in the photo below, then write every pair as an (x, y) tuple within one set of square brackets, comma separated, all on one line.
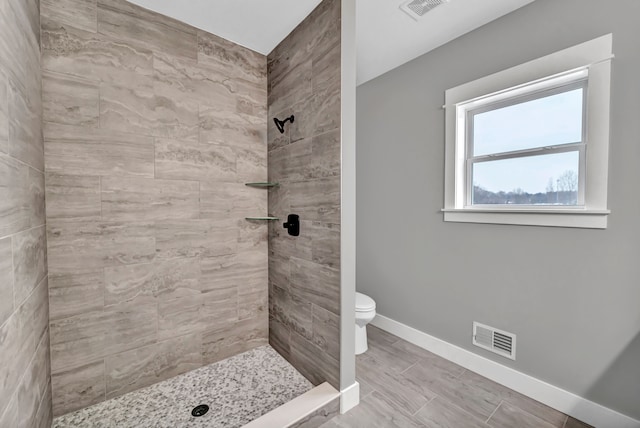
[(548, 121)]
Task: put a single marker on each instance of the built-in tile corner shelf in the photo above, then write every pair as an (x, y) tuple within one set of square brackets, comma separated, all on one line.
[(262, 218), (262, 184)]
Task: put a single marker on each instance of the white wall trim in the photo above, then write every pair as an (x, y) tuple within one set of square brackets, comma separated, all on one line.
[(349, 397), (557, 398), (589, 60), (348, 195)]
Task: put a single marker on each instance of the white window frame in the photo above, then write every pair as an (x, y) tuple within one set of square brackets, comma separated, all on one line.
[(590, 61)]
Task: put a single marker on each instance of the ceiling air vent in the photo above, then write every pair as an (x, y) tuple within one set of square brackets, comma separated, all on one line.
[(417, 8), (497, 341)]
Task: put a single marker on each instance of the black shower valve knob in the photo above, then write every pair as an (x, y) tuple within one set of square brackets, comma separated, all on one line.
[(293, 224)]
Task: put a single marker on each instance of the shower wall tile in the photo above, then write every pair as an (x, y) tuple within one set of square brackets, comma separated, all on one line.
[(151, 129), (25, 135), (122, 20), (291, 310), (19, 44), (279, 336), (313, 362), (279, 269), (87, 55), (37, 306), (29, 261), (34, 384), (290, 163), (24, 341), (14, 343), (70, 100), (142, 367), (73, 197), (144, 111), (220, 199), (325, 249), (326, 331), (75, 246), (253, 240), (324, 66), (11, 416), (320, 243), (218, 344), (15, 202), (307, 159), (90, 336), (316, 283), (195, 238), (133, 198), (326, 31), (189, 79), (228, 127), (247, 267), (4, 113), (24, 303), (155, 281), (294, 86), (220, 307), (36, 198), (228, 58), (45, 412), (72, 294), (191, 160), (79, 387), (77, 340), (6, 279), (76, 13), (252, 300), (251, 101), (316, 200), (304, 271), (75, 150), (304, 126), (181, 316), (327, 107), (251, 165), (325, 162)]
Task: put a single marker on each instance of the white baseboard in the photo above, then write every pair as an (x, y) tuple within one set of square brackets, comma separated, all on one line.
[(349, 397), (559, 399)]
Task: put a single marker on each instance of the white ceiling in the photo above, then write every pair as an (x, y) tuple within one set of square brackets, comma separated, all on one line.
[(386, 36), (257, 24)]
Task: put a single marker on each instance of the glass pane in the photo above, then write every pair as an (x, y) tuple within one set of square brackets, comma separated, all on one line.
[(556, 119), (533, 180)]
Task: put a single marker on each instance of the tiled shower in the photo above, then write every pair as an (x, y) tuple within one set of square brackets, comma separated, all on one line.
[(141, 133)]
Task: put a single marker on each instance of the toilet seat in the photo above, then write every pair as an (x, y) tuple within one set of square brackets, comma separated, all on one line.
[(364, 303)]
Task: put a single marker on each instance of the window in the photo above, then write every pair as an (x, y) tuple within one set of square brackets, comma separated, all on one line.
[(529, 145)]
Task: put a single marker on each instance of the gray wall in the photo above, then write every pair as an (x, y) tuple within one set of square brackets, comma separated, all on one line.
[(571, 295), (304, 271), (151, 130), (25, 388)]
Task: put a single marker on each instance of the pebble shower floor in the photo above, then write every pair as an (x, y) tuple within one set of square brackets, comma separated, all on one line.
[(237, 391)]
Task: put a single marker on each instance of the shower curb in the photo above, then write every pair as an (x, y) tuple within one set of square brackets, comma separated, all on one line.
[(301, 409)]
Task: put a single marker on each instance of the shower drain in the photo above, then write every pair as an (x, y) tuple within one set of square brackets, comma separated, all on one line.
[(200, 410)]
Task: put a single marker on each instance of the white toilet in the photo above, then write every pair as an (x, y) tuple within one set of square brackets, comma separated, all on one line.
[(365, 312)]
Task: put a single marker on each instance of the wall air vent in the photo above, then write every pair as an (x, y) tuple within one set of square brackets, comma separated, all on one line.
[(494, 340), (417, 8)]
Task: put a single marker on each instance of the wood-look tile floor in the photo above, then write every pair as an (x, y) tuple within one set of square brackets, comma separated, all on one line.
[(404, 386)]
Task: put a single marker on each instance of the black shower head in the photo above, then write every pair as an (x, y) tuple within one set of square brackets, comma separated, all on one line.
[(280, 123)]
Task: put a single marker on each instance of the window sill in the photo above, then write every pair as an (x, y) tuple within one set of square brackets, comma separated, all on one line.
[(580, 218)]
